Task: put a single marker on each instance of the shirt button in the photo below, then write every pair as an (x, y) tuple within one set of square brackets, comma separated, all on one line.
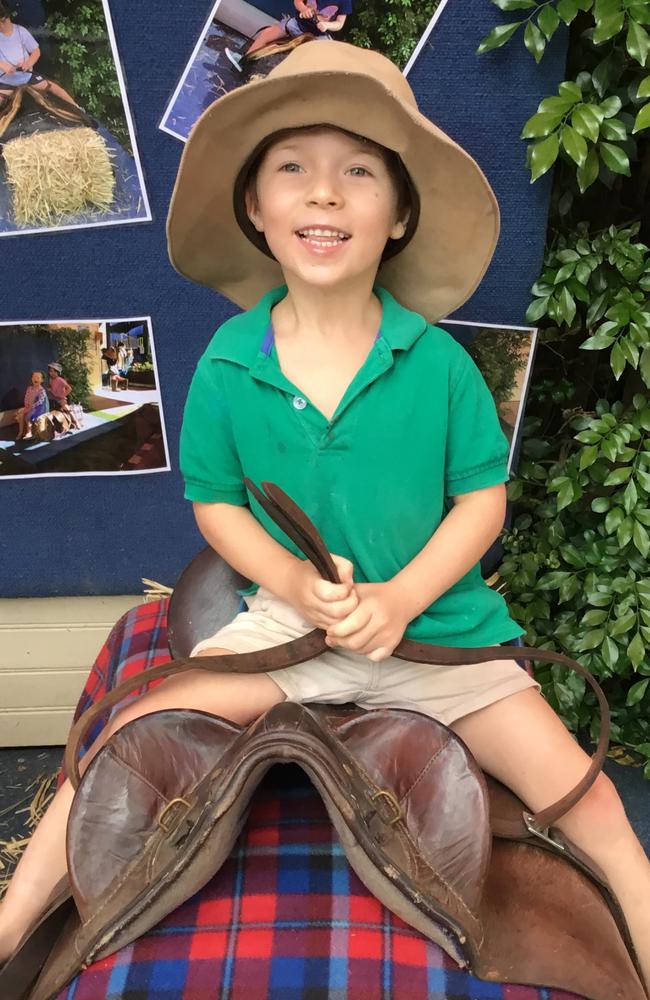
[(299, 402)]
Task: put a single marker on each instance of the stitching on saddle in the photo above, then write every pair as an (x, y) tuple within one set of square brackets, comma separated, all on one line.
[(426, 768), (136, 774), (405, 833)]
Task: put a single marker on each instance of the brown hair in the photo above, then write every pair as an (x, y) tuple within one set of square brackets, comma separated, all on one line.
[(4, 11), (407, 197)]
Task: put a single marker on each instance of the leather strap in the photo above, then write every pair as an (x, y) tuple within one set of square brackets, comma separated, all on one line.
[(295, 523)]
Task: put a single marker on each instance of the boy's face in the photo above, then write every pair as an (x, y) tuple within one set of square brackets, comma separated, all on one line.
[(37, 379), (326, 204)]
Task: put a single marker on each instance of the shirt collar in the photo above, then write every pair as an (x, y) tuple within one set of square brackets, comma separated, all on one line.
[(241, 339)]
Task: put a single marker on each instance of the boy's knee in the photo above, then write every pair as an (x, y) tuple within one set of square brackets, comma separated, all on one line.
[(600, 812)]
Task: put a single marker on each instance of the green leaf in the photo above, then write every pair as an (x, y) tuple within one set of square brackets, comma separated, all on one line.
[(611, 106), (613, 519), (641, 538), (637, 42), (617, 361), (623, 624), (609, 651), (614, 129), (637, 691), (514, 4), (548, 20), (557, 105), (567, 9), (630, 497), (644, 366), (644, 87), (615, 158), (571, 90), (498, 37), (574, 145), (567, 306), (599, 341), (592, 638), (588, 456), (624, 532), (642, 120), (586, 121), (588, 172), (543, 155), (534, 41), (552, 581), (593, 617), (608, 27), (540, 124), (618, 476)]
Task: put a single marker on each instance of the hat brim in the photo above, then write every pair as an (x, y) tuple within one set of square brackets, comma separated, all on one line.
[(458, 226)]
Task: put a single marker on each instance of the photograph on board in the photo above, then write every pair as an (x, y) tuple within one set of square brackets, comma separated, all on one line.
[(68, 156), (80, 397), (242, 41), (504, 355)]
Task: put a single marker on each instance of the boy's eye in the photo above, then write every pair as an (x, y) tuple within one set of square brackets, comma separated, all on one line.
[(290, 168), (359, 171)]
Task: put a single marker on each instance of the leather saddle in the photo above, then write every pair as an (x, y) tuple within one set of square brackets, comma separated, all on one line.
[(451, 851)]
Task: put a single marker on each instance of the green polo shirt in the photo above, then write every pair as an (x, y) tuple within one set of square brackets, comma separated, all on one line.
[(416, 426)]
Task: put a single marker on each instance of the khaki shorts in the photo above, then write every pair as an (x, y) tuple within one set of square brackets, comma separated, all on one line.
[(339, 675)]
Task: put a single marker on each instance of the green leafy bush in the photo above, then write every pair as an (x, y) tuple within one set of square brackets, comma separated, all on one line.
[(85, 64), (72, 350), (575, 566)]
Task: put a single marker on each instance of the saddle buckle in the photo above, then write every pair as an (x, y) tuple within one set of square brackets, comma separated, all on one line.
[(393, 803), (166, 824), (529, 821)]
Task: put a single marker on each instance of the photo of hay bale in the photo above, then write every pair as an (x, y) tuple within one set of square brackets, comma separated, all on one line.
[(57, 174), (67, 151), (242, 41)]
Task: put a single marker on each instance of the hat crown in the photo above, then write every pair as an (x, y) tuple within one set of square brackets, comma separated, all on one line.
[(341, 57)]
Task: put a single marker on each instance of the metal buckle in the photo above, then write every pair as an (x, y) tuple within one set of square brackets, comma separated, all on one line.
[(542, 834), (166, 827), (393, 803)]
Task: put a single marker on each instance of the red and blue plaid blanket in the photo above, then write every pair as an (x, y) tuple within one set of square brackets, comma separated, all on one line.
[(285, 918)]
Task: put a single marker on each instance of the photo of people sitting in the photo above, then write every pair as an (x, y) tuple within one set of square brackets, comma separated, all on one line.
[(79, 398), (243, 40)]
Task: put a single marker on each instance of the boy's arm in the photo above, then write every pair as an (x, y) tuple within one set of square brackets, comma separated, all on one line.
[(242, 541), (463, 536)]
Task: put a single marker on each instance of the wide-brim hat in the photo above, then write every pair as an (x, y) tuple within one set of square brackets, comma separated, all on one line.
[(361, 91), (57, 367)]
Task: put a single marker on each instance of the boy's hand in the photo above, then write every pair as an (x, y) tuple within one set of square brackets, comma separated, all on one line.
[(377, 624), (320, 602)]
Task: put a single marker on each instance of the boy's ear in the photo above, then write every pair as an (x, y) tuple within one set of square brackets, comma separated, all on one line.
[(399, 228), (253, 208)]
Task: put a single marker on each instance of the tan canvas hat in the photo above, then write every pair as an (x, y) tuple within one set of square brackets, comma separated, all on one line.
[(333, 83)]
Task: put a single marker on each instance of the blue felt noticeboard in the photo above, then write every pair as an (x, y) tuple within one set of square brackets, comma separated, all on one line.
[(100, 535)]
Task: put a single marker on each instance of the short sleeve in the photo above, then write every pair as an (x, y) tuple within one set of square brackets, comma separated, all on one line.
[(28, 40), (477, 449), (208, 456)]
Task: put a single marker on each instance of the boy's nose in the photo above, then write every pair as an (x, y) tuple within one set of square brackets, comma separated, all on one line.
[(324, 193)]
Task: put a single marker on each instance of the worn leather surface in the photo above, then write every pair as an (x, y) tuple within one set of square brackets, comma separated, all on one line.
[(412, 810)]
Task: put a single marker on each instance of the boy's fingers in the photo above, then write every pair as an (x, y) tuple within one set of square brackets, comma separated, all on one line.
[(334, 611), (326, 591), (344, 567), (353, 623)]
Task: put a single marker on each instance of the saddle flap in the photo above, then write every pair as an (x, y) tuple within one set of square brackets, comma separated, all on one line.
[(133, 791)]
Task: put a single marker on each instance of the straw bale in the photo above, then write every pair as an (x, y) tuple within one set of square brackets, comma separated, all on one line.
[(58, 173)]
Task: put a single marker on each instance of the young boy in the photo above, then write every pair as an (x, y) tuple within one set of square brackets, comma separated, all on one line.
[(59, 389), (377, 424)]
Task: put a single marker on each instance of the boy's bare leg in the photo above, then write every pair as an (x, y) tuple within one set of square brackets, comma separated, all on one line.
[(539, 760), (238, 697)]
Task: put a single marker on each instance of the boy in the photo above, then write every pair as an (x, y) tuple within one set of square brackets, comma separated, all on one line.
[(302, 389)]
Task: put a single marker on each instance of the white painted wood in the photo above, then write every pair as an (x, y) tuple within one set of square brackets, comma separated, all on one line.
[(47, 647)]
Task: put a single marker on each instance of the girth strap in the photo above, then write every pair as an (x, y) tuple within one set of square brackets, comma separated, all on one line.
[(295, 523)]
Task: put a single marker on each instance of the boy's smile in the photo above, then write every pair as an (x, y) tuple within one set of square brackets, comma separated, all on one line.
[(326, 204)]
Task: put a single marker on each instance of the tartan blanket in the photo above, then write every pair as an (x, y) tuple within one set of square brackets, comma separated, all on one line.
[(285, 918)]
